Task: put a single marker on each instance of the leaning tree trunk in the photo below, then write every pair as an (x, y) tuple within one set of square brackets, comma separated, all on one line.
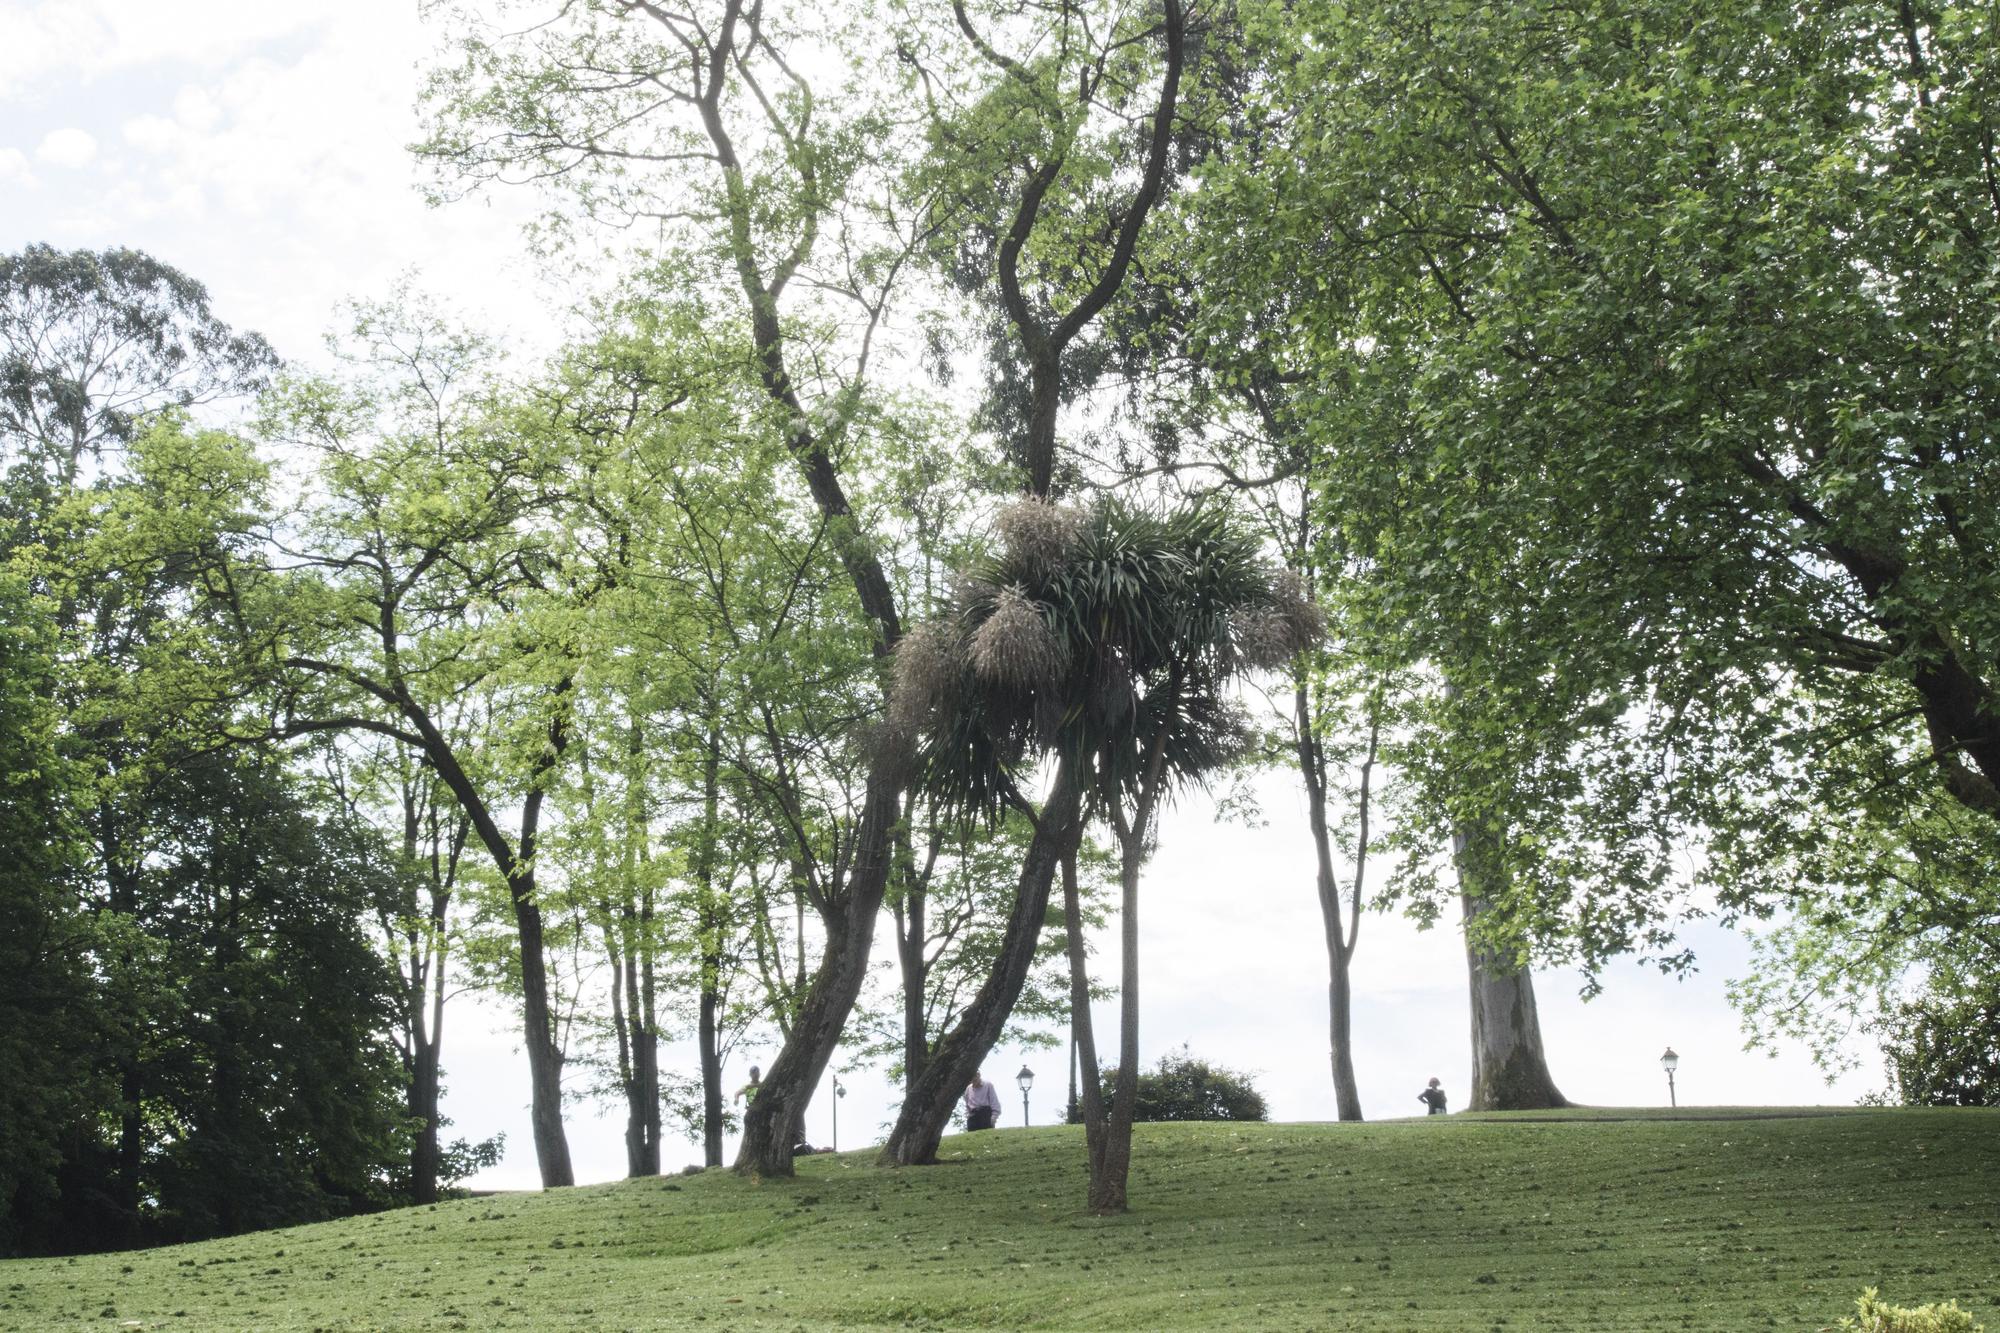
[(1509, 1070), (927, 1106), (773, 1119)]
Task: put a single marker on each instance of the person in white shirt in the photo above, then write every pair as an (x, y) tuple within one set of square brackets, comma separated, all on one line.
[(982, 1104)]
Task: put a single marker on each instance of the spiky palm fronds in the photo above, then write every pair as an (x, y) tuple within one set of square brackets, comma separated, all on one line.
[(1135, 633)]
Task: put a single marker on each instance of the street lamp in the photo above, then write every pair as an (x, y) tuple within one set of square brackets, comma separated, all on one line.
[(839, 1091), (1026, 1078), (1670, 1062)]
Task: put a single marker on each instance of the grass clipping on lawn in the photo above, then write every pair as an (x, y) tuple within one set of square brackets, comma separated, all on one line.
[(1448, 1223)]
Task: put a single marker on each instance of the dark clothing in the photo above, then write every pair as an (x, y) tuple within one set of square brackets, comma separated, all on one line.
[(979, 1117), (1433, 1098)]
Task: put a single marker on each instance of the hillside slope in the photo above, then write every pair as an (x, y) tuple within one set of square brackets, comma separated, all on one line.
[(1508, 1223)]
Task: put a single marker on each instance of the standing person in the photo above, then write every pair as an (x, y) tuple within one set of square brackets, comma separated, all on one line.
[(1433, 1097), (748, 1092), (982, 1104)]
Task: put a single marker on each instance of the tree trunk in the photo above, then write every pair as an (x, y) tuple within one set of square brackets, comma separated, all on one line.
[(928, 1105), (1083, 1038), (1340, 933), (538, 1037), (771, 1123), (916, 977), (518, 865), (1108, 1182), (423, 1104), (1113, 1168), (1509, 1070), (638, 1050), (708, 1039)]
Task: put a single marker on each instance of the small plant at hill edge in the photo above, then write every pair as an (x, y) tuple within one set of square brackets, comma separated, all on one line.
[(1878, 1316)]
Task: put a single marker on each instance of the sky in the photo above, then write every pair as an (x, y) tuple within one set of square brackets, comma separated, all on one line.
[(260, 148)]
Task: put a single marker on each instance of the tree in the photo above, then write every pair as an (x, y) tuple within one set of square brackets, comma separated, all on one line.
[(1107, 640), (1033, 168), (775, 168), (428, 568), (1943, 1045), (1042, 140), (418, 925), (275, 1095), (51, 1017), (90, 345), (1662, 320)]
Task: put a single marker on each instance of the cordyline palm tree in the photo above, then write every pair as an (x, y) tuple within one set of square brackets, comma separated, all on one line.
[(1108, 639)]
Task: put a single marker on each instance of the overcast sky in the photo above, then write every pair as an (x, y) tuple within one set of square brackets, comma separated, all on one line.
[(259, 147)]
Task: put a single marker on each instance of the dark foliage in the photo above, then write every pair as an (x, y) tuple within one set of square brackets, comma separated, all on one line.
[(1181, 1087), (1944, 1046)]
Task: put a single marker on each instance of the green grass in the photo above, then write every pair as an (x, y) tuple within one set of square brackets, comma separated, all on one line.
[(1507, 1223)]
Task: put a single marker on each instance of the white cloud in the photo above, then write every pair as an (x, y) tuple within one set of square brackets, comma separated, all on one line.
[(151, 133), (14, 167), (67, 148), (59, 43), (195, 108)]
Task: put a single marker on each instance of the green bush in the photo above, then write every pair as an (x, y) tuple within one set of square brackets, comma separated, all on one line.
[(1878, 1316), (1181, 1087)]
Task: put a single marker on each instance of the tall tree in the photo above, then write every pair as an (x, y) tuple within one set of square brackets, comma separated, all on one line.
[(1107, 640), (719, 107), (427, 569), (1664, 321), (93, 342), (1031, 173), (51, 1016), (91, 345)]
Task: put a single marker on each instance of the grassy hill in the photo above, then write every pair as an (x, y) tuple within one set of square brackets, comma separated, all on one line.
[(1585, 1222)]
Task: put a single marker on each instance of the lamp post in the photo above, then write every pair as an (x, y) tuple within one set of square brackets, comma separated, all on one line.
[(839, 1091), (1026, 1078), (1670, 1062)]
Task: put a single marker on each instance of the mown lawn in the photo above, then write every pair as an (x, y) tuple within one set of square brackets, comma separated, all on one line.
[(1589, 1222)]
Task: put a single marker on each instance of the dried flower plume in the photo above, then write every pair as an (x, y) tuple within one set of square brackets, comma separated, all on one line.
[(1270, 635), (926, 670), (1014, 647), (1038, 535)]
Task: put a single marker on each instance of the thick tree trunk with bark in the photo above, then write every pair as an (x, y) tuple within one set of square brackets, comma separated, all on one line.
[(423, 1106), (538, 1037), (1509, 1070), (638, 1050), (928, 1105)]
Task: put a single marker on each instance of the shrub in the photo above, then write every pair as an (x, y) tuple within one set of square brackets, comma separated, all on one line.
[(1181, 1087), (1878, 1316)]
